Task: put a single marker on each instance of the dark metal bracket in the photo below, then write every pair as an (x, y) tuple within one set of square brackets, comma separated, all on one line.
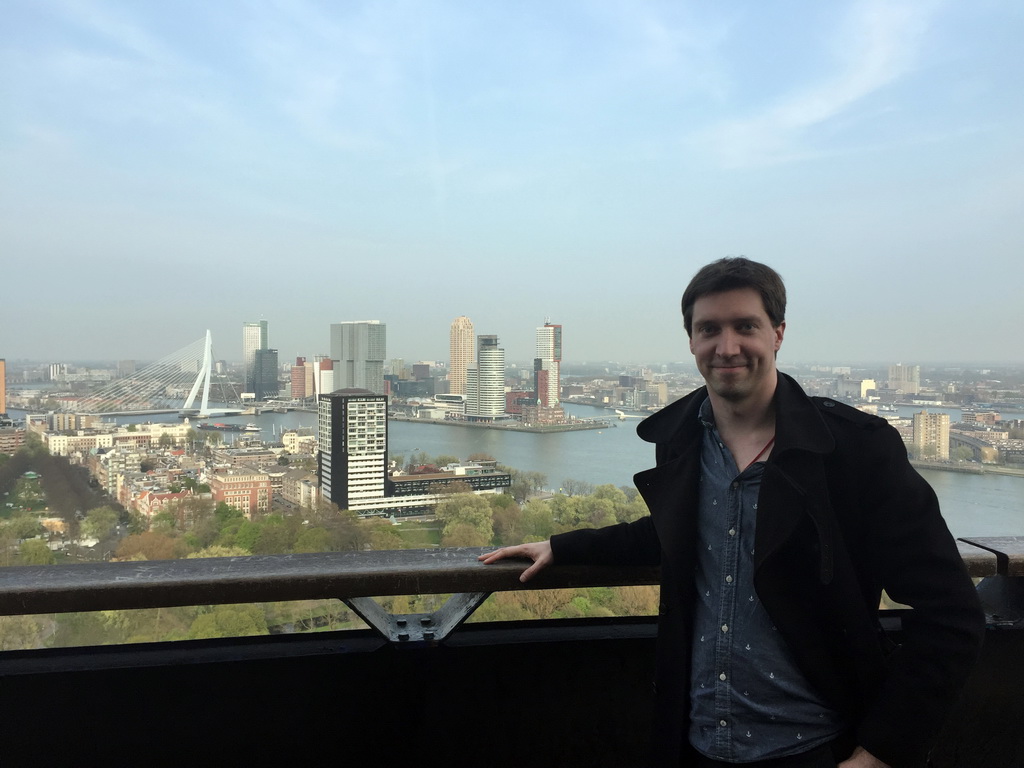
[(419, 628)]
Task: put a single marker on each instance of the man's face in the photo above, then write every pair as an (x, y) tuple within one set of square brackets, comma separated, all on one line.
[(734, 344)]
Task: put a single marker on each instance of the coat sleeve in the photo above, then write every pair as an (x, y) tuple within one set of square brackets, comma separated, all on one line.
[(918, 563), (633, 543)]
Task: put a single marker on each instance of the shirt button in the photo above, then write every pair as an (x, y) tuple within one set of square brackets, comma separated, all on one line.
[(728, 579), (735, 486), (722, 677), (722, 723), (732, 531), (725, 627)]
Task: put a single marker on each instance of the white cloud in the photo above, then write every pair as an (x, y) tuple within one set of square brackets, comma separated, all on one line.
[(878, 44)]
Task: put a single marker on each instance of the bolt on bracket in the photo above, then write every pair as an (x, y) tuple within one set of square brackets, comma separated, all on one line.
[(402, 629)]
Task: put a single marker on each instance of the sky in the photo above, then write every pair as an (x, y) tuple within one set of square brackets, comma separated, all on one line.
[(168, 168)]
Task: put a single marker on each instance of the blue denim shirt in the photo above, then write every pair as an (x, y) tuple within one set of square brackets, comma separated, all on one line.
[(748, 700)]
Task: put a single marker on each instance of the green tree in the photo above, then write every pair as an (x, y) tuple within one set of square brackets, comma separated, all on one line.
[(74, 629), (572, 487), (25, 526), (229, 621), (461, 513), (149, 545), (277, 535), (20, 633), (99, 523), (225, 512), (464, 534), (596, 512), (508, 521), (312, 540), (382, 535), (36, 552), (537, 521), (963, 453), (247, 536)]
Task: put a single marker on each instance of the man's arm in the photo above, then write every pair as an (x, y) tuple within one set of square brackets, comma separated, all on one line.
[(919, 565), (633, 543)]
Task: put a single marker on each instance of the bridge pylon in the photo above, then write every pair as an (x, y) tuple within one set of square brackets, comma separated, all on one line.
[(205, 367)]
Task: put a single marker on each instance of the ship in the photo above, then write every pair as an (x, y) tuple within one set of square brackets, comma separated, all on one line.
[(219, 427)]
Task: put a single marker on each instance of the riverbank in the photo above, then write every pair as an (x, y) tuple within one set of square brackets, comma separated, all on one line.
[(969, 468), (513, 426)]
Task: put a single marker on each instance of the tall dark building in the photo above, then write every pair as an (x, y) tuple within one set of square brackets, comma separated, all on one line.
[(265, 381)]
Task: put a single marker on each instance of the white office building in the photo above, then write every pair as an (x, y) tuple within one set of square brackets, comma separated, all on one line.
[(485, 382)]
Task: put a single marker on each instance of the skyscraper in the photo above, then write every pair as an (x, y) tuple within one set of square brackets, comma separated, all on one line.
[(266, 385), (3, 385), (358, 349), (547, 365), (485, 382), (353, 440), (254, 337), (461, 354)]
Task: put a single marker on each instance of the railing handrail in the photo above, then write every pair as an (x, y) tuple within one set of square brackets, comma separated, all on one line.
[(323, 575), (271, 578)]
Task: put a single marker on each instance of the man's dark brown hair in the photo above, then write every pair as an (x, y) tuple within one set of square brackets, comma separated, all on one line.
[(730, 274)]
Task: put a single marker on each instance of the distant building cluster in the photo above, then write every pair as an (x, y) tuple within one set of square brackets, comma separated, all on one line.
[(355, 389)]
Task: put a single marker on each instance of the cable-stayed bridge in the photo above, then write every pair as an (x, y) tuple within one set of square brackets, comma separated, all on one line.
[(172, 383)]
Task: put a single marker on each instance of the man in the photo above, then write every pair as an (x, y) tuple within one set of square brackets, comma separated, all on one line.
[(777, 520)]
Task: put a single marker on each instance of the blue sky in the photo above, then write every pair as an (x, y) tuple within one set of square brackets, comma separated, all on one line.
[(171, 167)]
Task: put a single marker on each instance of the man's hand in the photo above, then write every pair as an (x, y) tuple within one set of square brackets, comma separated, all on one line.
[(861, 758), (539, 552)]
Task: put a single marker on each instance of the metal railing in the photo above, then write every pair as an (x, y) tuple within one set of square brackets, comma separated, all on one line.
[(353, 577)]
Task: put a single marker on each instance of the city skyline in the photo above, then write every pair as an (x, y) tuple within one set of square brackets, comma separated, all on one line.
[(194, 166)]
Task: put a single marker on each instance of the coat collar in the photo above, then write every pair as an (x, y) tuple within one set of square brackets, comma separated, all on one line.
[(798, 424)]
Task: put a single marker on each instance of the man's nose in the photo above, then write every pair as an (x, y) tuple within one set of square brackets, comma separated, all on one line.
[(728, 344)]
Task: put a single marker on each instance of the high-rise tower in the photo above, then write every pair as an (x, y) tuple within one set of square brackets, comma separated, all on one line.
[(485, 382), (254, 337), (353, 440), (358, 349), (461, 354), (266, 385), (547, 365)]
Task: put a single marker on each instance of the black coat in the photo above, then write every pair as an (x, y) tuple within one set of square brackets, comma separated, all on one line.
[(841, 515)]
